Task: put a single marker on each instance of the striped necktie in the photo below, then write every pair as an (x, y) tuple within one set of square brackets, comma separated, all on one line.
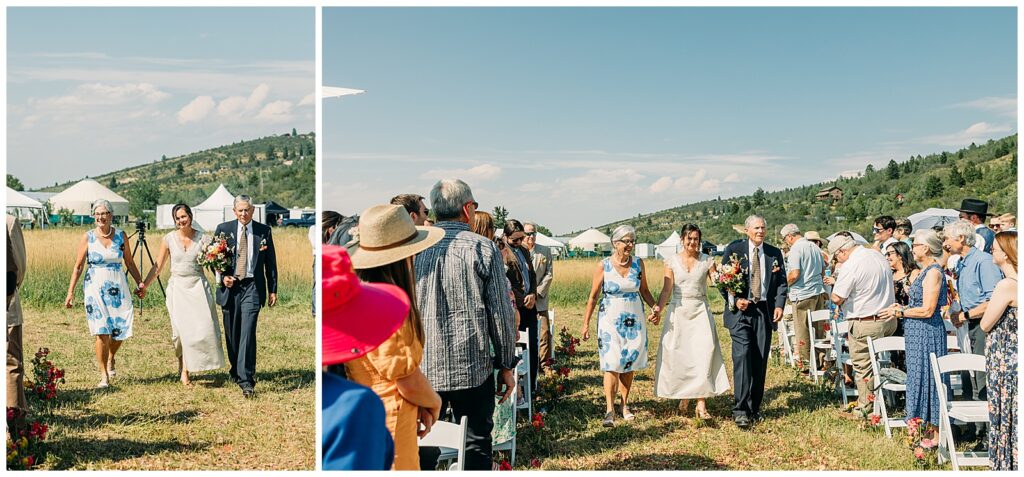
[(242, 264)]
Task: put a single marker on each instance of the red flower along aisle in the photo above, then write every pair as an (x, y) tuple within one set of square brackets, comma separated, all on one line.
[(28, 449)]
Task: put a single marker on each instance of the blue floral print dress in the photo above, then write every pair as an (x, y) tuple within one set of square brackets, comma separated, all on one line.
[(621, 323), (108, 304)]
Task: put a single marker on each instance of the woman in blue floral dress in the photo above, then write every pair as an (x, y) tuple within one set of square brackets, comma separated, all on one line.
[(621, 331), (108, 306), (923, 330), (1000, 322)]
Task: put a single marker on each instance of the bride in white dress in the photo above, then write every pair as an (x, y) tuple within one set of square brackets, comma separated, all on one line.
[(690, 364), (195, 331)]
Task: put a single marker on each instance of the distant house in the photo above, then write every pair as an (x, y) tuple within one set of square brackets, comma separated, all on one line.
[(899, 198), (288, 162), (833, 194), (204, 172), (125, 180)]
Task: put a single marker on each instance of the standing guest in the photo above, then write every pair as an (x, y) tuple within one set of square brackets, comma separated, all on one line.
[(346, 230), (863, 289), (621, 332), (388, 240), (251, 284), (904, 267), (923, 328), (15, 355), (814, 237), (690, 363), (1007, 223), (1000, 322), (884, 228), (996, 223), (975, 211), (108, 308), (903, 230), (976, 277), (462, 298), (523, 278), (414, 205), (483, 225), (355, 436), (756, 314), (542, 265), (804, 269), (329, 221)]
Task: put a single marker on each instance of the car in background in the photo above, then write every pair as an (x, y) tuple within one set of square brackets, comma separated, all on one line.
[(307, 220)]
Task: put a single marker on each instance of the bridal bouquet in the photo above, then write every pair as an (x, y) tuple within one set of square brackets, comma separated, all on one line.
[(731, 280), (216, 256)]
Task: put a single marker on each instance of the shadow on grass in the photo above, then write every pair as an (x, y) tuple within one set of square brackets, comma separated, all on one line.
[(662, 461), (93, 421), (76, 452), (281, 379)]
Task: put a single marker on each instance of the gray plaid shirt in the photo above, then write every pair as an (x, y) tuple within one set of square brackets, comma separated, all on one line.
[(462, 294)]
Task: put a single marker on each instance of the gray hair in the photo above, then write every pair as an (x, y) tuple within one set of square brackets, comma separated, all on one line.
[(102, 203), (447, 198), (960, 229), (531, 224), (242, 198), (748, 223), (790, 229), (622, 232), (931, 238)]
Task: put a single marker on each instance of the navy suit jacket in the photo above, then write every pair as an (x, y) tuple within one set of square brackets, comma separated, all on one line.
[(777, 286), (265, 267)]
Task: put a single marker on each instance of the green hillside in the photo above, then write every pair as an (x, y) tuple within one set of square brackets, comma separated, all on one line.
[(987, 172), (286, 162)]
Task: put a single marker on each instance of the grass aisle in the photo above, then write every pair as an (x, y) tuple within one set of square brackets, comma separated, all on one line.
[(802, 429), (147, 419)]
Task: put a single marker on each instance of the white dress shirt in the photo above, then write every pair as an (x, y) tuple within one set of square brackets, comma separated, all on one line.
[(250, 266), (764, 272)]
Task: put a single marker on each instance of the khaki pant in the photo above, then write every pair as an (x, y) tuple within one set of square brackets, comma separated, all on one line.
[(861, 357), (801, 309), (15, 369), (545, 335)]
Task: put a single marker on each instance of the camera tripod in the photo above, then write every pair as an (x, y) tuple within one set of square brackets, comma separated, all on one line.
[(140, 230)]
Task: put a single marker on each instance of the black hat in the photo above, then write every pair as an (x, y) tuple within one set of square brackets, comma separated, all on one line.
[(974, 206)]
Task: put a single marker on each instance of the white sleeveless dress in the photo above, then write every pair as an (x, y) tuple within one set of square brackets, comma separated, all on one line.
[(690, 363), (195, 331)]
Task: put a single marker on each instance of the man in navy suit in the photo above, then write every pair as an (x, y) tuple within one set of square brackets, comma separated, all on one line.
[(242, 290), (759, 308)]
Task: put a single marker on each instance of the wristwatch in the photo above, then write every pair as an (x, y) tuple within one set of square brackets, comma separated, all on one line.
[(967, 314)]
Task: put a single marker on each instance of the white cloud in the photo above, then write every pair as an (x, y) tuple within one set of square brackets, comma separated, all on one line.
[(257, 97), (231, 105), (533, 187), (976, 133), (307, 100), (661, 185), (276, 112), (1006, 106), (196, 110), (710, 185), (731, 178), (101, 94), (483, 172)]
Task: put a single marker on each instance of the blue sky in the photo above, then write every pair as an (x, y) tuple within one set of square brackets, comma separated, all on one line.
[(91, 90), (574, 117)]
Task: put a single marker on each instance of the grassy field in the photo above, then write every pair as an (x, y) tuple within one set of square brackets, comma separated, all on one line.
[(147, 419), (802, 429)]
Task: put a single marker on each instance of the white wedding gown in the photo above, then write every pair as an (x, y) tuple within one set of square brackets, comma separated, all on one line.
[(195, 331), (690, 363)]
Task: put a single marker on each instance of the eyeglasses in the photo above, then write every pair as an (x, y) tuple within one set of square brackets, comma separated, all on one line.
[(530, 234), (102, 214), (515, 240), (891, 253), (627, 242), (876, 230)]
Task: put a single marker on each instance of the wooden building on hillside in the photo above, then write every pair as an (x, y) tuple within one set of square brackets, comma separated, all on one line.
[(833, 194)]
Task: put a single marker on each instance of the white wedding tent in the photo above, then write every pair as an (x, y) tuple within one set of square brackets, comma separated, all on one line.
[(22, 206), (590, 240), (669, 247), (79, 198), (217, 208)]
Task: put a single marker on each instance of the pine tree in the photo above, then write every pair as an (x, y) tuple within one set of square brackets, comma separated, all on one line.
[(113, 182), (271, 155), (893, 170), (15, 183), (294, 133), (933, 187), (869, 169), (759, 197), (955, 178), (163, 157), (500, 214), (180, 170), (971, 173)]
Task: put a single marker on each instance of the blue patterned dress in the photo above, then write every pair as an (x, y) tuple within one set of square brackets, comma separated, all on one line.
[(621, 324), (1001, 364), (924, 336), (108, 306)]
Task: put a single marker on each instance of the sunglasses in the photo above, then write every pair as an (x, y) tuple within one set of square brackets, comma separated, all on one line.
[(515, 240), (889, 254), (531, 234), (476, 205)]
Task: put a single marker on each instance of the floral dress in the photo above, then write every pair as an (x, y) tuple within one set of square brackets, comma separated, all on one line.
[(621, 324), (924, 336), (108, 307), (1001, 365)]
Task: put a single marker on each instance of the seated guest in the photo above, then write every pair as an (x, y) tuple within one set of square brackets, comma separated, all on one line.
[(355, 436), (1000, 322)]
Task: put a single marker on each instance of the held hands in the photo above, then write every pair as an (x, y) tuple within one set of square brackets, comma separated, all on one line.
[(890, 312), (655, 316), (529, 301), (140, 291)]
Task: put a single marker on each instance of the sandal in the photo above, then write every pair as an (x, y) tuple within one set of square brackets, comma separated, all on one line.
[(684, 405), (102, 385), (627, 415), (609, 419), (703, 414)]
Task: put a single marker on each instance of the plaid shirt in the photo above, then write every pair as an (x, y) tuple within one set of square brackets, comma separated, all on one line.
[(462, 294)]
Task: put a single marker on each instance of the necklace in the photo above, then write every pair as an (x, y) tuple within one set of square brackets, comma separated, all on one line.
[(622, 263), (99, 230)]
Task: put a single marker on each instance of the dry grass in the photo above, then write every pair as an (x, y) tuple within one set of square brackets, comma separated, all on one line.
[(147, 420)]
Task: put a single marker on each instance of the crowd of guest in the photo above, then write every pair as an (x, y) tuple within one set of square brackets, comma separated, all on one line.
[(464, 293)]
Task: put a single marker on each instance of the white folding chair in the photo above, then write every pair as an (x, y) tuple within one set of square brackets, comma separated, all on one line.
[(551, 330), (523, 373), (839, 330), (787, 334), (884, 346), (510, 445), (951, 412), (451, 439), (956, 380), (822, 343)]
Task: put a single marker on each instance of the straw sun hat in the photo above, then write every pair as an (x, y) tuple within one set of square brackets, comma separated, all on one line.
[(387, 235)]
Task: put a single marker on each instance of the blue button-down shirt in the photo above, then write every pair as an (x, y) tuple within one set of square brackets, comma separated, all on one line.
[(977, 276)]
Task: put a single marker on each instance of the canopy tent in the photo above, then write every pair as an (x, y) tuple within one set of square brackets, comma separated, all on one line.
[(933, 217), (336, 92), (589, 240), (275, 210), (548, 241), (856, 237), (79, 198), (217, 208), (669, 247), (22, 206)]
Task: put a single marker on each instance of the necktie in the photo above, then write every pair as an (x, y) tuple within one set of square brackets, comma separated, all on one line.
[(242, 264), (755, 275)]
